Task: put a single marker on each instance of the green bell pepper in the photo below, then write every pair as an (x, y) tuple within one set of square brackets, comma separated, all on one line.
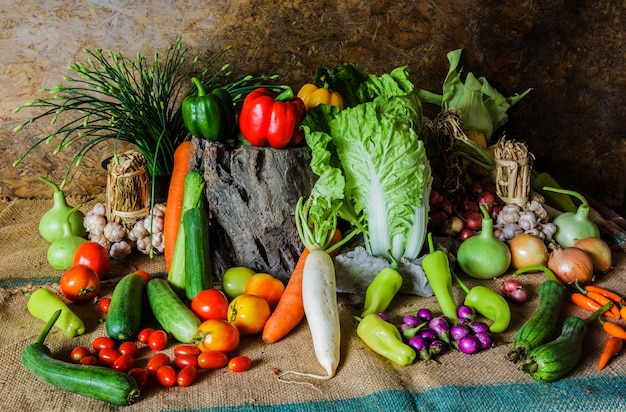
[(43, 303), (437, 269), (385, 339), (381, 291), (209, 116)]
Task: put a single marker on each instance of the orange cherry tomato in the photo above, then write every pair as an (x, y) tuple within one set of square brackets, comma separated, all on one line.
[(266, 286), (80, 284), (212, 360), (217, 335), (248, 313), (210, 304), (95, 256), (187, 376), (240, 363)]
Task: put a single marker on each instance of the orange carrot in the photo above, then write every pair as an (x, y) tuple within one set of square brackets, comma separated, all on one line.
[(613, 329), (612, 347), (174, 206), (604, 292), (290, 310)]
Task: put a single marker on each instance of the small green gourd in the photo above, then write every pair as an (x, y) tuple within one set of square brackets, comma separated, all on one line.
[(571, 226), (61, 252), (52, 222)]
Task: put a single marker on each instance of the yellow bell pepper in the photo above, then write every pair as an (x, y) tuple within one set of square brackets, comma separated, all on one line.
[(312, 96)]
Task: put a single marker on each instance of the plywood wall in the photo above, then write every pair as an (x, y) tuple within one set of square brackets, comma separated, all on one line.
[(571, 52)]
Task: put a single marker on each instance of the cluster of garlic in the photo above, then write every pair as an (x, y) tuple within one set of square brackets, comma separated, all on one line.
[(146, 235), (532, 218)]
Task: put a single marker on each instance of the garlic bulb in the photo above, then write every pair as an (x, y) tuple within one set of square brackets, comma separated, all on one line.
[(94, 224), (114, 231), (120, 250)]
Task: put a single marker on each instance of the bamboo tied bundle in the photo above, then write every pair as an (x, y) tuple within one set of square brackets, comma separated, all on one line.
[(513, 166), (128, 189)]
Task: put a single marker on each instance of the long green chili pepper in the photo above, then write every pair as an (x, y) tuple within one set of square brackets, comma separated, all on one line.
[(437, 269), (381, 291), (385, 339), (489, 304)]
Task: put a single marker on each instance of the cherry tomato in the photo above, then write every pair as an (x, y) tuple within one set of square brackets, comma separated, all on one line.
[(266, 286), (124, 363), (217, 335), (143, 274), (89, 360), (187, 376), (80, 284), (240, 363), (141, 377), (157, 339), (108, 356), (186, 350), (166, 376), (144, 334), (248, 313), (79, 353), (103, 342), (95, 256), (159, 359), (234, 280), (212, 360), (210, 304), (128, 348), (104, 305), (186, 360)]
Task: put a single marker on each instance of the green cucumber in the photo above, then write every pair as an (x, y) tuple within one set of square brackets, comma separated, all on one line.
[(193, 196), (98, 382), (543, 324), (198, 270), (171, 312), (123, 320)]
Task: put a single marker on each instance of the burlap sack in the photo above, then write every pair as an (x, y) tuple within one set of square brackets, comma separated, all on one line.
[(364, 381)]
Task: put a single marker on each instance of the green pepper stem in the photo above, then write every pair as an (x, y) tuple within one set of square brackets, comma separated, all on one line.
[(46, 329), (199, 86), (461, 284), (599, 312), (537, 268), (431, 244), (285, 95)]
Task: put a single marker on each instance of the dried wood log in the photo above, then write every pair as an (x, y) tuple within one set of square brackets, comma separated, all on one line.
[(251, 197)]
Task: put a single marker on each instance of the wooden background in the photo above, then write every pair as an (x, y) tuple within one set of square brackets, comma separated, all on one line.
[(571, 52)]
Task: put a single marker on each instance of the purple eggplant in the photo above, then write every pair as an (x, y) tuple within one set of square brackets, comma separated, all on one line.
[(465, 314), (441, 326), (486, 340), (478, 327), (425, 314), (459, 331), (421, 345), (469, 344)]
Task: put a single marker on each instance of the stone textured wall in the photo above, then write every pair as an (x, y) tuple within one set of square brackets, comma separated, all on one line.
[(570, 52)]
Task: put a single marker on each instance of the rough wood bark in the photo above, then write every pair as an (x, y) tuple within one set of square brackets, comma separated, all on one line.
[(251, 196)]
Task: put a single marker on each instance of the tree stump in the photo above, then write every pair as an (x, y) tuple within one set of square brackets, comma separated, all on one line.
[(251, 197)]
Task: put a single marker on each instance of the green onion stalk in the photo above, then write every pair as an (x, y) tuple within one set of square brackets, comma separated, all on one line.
[(112, 97)]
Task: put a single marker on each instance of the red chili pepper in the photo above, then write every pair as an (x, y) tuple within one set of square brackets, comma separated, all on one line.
[(266, 119)]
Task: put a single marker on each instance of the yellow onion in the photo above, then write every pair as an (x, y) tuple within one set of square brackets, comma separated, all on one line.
[(527, 250), (599, 252), (570, 265)]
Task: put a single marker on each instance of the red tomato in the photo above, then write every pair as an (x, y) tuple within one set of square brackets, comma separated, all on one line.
[(108, 356), (210, 304), (143, 274), (240, 363), (166, 375), (128, 348), (140, 376), (212, 360), (104, 305), (79, 353), (144, 334), (80, 284), (248, 313), (124, 363), (95, 256), (157, 339), (186, 350), (89, 360), (217, 335), (187, 376), (159, 359), (103, 342), (186, 360)]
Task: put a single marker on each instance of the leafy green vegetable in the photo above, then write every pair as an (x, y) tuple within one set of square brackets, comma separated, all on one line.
[(372, 165), (482, 107)]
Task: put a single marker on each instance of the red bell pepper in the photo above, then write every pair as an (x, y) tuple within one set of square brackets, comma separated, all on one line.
[(266, 119)]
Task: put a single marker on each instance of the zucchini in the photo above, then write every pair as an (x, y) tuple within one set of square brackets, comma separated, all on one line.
[(543, 324), (557, 358), (123, 320), (198, 270), (193, 196), (96, 382), (171, 312)]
